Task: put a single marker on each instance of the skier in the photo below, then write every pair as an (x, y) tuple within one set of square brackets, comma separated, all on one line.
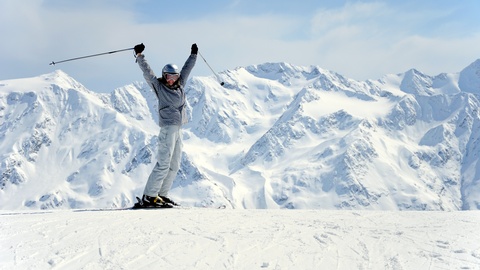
[(171, 108)]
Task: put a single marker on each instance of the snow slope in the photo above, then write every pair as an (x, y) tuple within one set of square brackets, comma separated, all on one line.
[(275, 136), (239, 239)]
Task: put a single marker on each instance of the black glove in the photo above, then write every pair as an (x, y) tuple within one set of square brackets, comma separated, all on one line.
[(139, 48), (194, 48)]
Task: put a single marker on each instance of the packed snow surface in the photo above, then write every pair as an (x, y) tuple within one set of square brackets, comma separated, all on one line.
[(197, 238)]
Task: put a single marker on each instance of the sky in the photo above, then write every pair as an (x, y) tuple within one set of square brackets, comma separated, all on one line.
[(358, 39)]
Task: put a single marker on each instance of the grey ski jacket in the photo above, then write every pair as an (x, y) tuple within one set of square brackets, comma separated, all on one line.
[(171, 100)]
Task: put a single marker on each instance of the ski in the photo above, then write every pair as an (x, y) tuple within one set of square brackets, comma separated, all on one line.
[(139, 206)]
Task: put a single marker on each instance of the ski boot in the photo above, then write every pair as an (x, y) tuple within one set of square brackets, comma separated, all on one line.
[(151, 202)]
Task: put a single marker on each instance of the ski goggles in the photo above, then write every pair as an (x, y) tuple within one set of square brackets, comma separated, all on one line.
[(171, 76)]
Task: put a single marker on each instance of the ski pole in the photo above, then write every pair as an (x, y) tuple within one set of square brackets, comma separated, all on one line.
[(93, 55), (216, 75)]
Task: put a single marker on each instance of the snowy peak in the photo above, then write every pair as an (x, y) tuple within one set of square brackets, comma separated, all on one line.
[(469, 80), (416, 83), (283, 72)]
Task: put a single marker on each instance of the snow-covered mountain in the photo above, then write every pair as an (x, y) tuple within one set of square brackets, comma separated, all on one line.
[(274, 136)]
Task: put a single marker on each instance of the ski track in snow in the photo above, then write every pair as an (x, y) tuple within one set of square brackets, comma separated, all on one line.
[(239, 239)]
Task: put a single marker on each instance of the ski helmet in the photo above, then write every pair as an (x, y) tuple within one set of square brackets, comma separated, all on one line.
[(170, 69)]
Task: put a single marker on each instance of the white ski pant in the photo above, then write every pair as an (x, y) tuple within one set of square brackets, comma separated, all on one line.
[(168, 162)]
